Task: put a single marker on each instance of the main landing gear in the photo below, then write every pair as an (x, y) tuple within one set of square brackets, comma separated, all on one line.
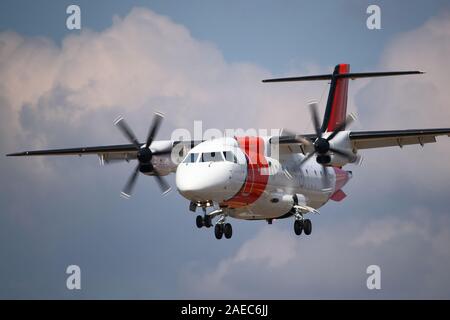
[(302, 225), (223, 229)]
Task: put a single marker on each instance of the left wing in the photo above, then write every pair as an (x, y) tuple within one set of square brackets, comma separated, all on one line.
[(367, 139), (392, 138)]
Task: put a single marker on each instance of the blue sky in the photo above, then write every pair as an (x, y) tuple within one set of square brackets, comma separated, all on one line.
[(279, 35), (204, 60)]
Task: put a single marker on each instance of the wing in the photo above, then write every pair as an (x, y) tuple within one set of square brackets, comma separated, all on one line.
[(399, 138), (121, 148), (367, 139), (106, 153), (292, 143)]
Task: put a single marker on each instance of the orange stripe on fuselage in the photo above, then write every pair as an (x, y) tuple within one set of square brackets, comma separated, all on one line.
[(257, 173)]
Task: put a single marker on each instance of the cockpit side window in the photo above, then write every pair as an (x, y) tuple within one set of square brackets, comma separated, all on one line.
[(191, 158), (214, 156), (230, 156)]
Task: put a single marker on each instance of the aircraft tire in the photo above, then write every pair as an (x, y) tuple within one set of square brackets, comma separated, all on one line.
[(308, 227), (207, 221), (228, 230), (218, 231), (298, 227), (199, 222)]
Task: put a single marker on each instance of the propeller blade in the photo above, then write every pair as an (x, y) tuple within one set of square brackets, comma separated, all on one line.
[(350, 118), (298, 138), (127, 190), (303, 140), (315, 118), (154, 128), (127, 132), (162, 183), (343, 153)]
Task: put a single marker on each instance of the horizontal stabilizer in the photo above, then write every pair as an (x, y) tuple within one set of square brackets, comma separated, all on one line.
[(338, 196), (344, 75)]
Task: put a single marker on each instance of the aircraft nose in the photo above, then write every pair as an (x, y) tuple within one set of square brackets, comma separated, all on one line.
[(198, 182)]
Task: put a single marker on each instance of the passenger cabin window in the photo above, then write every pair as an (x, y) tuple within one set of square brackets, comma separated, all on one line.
[(212, 156), (191, 158), (229, 156)]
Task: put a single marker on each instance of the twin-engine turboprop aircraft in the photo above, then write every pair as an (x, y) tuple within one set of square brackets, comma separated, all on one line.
[(259, 178)]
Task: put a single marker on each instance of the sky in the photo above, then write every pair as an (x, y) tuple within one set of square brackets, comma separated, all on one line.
[(203, 60)]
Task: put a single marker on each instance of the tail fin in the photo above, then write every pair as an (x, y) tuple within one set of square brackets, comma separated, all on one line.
[(336, 109)]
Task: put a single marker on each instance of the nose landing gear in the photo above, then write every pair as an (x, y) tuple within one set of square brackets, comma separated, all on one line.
[(204, 221), (221, 228)]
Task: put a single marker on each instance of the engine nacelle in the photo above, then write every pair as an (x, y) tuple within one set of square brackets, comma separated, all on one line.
[(340, 161), (341, 142), (164, 163)]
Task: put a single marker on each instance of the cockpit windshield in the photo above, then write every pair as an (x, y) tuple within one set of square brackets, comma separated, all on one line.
[(191, 158), (229, 156), (214, 156)]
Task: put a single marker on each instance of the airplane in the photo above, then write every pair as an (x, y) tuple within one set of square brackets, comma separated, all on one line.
[(259, 177)]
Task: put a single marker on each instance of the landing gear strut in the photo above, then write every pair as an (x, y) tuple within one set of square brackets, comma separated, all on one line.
[(221, 228)]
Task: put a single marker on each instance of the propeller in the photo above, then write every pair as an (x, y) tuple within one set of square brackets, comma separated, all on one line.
[(321, 146), (144, 154)]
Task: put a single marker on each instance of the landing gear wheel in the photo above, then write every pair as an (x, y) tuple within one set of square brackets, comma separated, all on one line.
[(207, 221), (228, 230), (218, 231), (307, 226), (199, 222), (298, 227)]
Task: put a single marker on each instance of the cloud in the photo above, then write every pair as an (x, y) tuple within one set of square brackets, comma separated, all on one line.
[(276, 263), (380, 232), (143, 62), (412, 102)]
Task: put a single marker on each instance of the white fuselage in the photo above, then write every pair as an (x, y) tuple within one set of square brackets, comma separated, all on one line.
[(238, 175)]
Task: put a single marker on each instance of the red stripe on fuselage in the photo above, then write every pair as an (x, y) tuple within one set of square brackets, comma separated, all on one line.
[(256, 181)]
